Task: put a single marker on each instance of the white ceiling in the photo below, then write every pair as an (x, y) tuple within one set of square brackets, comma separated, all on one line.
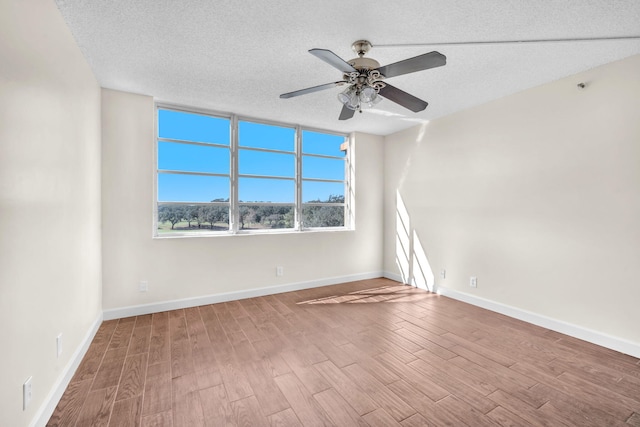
[(239, 56)]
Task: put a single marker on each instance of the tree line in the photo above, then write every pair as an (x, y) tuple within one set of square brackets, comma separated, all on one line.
[(261, 216)]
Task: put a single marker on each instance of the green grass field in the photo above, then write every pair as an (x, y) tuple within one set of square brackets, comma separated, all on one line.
[(182, 227)]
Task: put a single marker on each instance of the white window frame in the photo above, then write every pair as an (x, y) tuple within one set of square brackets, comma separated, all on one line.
[(234, 176)]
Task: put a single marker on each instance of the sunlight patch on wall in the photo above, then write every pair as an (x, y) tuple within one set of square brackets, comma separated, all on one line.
[(422, 274), (403, 239), (411, 257), (423, 130), (416, 147), (351, 173)]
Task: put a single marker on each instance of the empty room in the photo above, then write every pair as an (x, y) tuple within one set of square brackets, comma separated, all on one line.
[(419, 213)]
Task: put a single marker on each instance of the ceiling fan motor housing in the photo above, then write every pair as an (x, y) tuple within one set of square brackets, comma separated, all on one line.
[(364, 63), (361, 47)]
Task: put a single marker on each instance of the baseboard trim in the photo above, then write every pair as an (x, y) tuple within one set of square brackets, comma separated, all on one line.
[(614, 343), (46, 410), (393, 276), (138, 310)]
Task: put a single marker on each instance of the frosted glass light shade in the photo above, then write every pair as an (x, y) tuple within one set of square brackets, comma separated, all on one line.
[(368, 94), (349, 97)]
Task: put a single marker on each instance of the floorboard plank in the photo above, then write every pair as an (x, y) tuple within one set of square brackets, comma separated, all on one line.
[(93, 358), (185, 402), (286, 418), (414, 377), (216, 407), (272, 356), (109, 373), (159, 344), (126, 412), (385, 398), (416, 420), (163, 419), (506, 418), (122, 335), (525, 411), (247, 412), (372, 366), (340, 412), (157, 390), (266, 392), (68, 409), (357, 398), (458, 383), (97, 407), (133, 377), (465, 412), (303, 369), (305, 407), (380, 418), (425, 406)]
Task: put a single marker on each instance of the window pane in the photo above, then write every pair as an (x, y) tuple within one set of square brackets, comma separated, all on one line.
[(192, 127), (266, 190), (266, 217), (322, 143), (192, 218), (319, 167), (192, 188), (192, 158), (264, 163), (322, 192), (266, 136), (323, 216)]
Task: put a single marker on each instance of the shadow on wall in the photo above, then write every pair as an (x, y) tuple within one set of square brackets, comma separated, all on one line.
[(411, 257)]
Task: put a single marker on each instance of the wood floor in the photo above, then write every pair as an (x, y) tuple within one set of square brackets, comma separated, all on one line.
[(372, 352)]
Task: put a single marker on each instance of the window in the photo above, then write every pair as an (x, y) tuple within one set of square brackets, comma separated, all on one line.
[(266, 176), (324, 177), (220, 174)]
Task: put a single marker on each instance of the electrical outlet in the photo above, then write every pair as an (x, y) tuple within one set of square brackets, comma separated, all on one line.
[(143, 286), (443, 274), (27, 392), (59, 345), (279, 271), (473, 282)]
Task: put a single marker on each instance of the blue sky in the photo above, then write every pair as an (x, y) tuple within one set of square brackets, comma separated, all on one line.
[(197, 158)]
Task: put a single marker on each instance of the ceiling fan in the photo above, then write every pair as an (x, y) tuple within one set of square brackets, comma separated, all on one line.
[(364, 77)]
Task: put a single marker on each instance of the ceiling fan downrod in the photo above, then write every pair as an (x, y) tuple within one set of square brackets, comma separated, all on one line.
[(361, 47)]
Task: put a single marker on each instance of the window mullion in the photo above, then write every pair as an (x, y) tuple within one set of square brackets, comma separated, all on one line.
[(234, 210), (200, 144), (349, 183), (325, 180), (281, 178), (179, 172), (298, 199)]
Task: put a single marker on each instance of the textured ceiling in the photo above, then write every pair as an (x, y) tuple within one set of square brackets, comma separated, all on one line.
[(239, 56)]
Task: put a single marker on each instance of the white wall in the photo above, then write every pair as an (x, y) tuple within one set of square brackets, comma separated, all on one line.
[(50, 276), (180, 268), (536, 194)]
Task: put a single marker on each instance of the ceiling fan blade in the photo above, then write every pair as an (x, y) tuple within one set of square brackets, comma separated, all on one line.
[(333, 60), (401, 97), (411, 65), (346, 113), (311, 89)]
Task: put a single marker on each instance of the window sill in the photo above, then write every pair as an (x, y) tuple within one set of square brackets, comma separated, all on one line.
[(251, 233)]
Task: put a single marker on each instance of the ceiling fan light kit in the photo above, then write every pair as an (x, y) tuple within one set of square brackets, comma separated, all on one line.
[(364, 77)]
